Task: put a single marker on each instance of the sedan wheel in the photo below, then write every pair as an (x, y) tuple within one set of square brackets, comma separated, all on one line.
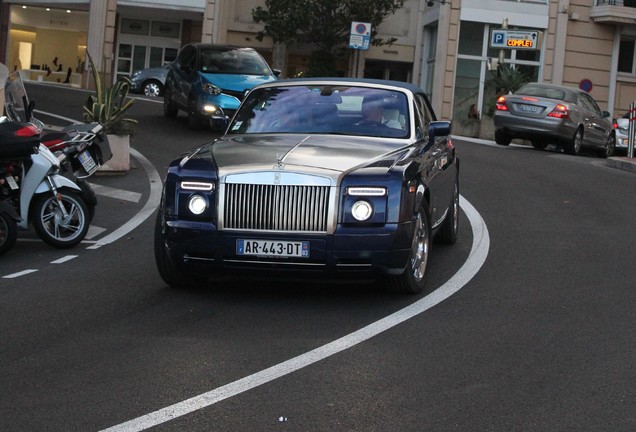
[(152, 88), (574, 146), (413, 280), (169, 272), (610, 146), (502, 137)]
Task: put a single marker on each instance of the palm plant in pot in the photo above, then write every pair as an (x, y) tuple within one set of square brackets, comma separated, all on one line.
[(109, 106)]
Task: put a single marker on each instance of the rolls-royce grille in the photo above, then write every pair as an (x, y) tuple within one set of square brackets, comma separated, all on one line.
[(276, 208)]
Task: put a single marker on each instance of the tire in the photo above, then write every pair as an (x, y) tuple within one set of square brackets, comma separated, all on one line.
[(447, 233), (152, 88), (610, 146), (413, 280), (539, 145), (50, 224), (502, 137), (573, 147), (170, 110), (88, 196), (169, 272), (194, 119), (8, 233)]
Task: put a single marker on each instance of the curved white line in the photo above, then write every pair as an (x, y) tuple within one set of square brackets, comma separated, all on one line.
[(151, 204), (476, 258)]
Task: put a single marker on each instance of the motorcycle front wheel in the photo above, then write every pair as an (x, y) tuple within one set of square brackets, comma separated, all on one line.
[(8, 232), (53, 226)]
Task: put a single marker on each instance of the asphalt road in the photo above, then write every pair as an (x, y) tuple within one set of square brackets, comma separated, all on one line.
[(538, 338)]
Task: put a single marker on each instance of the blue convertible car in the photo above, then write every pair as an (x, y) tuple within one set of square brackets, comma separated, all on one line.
[(328, 177)]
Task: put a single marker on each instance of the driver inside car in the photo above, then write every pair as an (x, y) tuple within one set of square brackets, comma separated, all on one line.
[(372, 112)]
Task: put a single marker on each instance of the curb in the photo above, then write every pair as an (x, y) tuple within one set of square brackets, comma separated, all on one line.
[(622, 163)]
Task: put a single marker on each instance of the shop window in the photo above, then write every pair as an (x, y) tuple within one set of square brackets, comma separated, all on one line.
[(471, 36), (165, 29), (135, 26), (626, 56)]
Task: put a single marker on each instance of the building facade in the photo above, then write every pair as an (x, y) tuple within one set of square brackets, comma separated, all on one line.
[(442, 45)]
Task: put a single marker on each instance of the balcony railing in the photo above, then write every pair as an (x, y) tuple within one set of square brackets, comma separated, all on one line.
[(614, 12), (625, 3)]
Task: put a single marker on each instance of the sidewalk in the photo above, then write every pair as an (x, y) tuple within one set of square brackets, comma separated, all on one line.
[(619, 162), (622, 163)]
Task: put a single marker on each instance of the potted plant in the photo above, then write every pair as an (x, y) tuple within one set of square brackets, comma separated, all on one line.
[(109, 106)]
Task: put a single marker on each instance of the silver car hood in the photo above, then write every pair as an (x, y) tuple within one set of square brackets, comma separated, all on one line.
[(329, 155)]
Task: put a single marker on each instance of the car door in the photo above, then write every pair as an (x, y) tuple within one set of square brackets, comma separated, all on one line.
[(595, 129), (437, 161), (185, 71)]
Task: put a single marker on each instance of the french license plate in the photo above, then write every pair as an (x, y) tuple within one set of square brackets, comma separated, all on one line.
[(529, 108), (87, 161), (277, 248)]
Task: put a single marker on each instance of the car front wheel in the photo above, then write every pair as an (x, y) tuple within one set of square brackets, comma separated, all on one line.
[(170, 110), (610, 146), (152, 88), (413, 280), (174, 276)]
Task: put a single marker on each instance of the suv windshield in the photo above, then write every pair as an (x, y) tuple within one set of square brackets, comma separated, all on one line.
[(241, 61)]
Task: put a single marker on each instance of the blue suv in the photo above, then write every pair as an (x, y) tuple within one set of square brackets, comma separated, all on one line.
[(209, 81)]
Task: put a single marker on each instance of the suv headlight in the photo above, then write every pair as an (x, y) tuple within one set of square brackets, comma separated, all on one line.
[(211, 89)]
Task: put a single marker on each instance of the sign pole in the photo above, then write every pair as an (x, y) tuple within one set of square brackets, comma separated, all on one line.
[(632, 128)]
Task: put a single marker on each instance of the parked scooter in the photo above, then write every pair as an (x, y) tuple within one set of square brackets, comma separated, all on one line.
[(34, 186), (81, 149), (39, 193)]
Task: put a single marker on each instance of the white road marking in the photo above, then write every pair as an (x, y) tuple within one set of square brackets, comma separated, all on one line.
[(148, 209), (116, 193), (18, 274), (64, 259), (475, 260), (94, 231)]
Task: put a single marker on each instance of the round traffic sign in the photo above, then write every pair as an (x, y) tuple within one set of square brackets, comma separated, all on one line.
[(585, 85)]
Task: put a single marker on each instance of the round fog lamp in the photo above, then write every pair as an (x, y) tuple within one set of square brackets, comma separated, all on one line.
[(361, 210), (197, 204)]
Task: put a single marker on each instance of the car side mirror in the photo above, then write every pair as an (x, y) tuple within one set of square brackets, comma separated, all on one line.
[(277, 72), (606, 114), (439, 129)]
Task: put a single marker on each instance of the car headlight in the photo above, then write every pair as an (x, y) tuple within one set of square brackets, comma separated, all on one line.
[(365, 205), (211, 89), (361, 210), (212, 109), (197, 204)]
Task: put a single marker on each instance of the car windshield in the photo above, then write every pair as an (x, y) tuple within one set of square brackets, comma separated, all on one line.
[(227, 60), (364, 111)]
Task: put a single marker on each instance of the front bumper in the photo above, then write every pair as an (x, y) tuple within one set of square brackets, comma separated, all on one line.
[(208, 104), (369, 252)]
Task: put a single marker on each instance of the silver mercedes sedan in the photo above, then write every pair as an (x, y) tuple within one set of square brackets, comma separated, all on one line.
[(551, 114)]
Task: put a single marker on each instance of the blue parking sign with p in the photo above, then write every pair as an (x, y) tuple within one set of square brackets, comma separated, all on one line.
[(498, 38)]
